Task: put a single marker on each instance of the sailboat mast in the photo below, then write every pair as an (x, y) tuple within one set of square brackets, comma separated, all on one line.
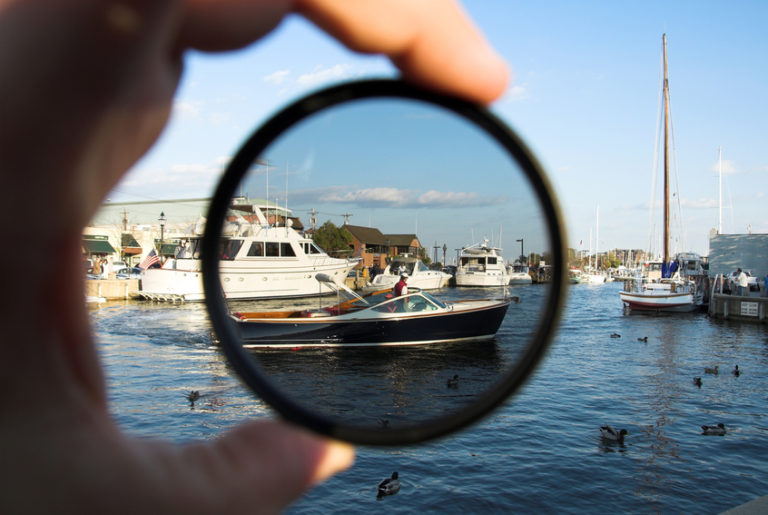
[(720, 191), (666, 151)]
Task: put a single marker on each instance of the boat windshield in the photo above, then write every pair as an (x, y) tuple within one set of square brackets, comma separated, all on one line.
[(432, 299)]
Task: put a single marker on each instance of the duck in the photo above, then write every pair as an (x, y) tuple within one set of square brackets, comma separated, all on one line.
[(736, 371), (615, 335), (383, 422), (453, 382), (609, 433), (643, 339), (718, 430), (389, 486), (697, 381), (711, 370), (192, 396)]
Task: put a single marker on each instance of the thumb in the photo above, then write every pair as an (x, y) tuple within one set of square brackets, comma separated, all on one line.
[(264, 465)]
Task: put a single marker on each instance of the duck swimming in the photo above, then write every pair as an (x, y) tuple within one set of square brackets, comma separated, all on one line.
[(192, 397), (697, 381), (453, 382), (389, 486), (615, 335), (711, 370), (609, 433), (718, 430), (643, 339), (736, 371)]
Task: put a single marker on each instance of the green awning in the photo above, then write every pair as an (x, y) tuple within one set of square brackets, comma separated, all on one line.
[(129, 241), (168, 249), (98, 247)]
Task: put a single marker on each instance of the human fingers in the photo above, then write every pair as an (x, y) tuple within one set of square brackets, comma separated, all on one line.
[(433, 42), (213, 25), (263, 466)]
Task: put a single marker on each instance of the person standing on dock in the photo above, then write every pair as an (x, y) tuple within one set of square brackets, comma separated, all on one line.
[(741, 278)]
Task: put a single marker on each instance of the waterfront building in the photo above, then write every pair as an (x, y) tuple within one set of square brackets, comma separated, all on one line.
[(373, 247), (727, 252)]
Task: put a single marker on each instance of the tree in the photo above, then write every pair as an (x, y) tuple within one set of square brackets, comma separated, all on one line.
[(333, 239)]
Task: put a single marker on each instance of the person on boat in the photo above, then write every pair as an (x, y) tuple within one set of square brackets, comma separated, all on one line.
[(401, 288), (100, 77)]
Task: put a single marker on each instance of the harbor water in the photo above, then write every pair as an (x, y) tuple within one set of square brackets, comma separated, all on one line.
[(541, 452)]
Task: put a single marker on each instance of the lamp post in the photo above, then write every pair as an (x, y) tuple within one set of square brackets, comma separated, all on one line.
[(522, 251), (162, 229)]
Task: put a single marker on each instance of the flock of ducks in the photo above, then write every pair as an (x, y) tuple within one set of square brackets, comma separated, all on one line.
[(610, 434)]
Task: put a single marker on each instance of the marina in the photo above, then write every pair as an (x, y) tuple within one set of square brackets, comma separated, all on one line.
[(540, 452)]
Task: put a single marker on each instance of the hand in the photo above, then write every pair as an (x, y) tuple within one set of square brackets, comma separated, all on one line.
[(87, 88)]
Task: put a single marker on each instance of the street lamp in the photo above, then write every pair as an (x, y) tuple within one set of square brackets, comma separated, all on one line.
[(522, 251), (162, 228)]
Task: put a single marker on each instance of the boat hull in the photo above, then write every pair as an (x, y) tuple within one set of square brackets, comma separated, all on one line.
[(671, 302), (471, 324), (422, 281), (241, 282), (481, 279)]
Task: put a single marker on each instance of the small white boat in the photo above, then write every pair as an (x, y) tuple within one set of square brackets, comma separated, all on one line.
[(519, 274), (481, 265), (419, 275), (593, 277)]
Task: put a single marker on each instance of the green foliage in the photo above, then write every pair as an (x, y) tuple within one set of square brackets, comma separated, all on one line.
[(333, 239)]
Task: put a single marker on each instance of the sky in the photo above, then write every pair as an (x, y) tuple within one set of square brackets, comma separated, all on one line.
[(585, 99)]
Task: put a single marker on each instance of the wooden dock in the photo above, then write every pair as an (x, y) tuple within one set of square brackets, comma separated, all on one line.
[(750, 308)]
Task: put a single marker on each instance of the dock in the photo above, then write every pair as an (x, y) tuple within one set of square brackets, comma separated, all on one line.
[(112, 289), (749, 308)]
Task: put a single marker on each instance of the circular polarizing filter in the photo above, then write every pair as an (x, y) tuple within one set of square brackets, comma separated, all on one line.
[(425, 190)]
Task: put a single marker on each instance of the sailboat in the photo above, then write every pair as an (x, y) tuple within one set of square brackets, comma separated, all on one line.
[(593, 275), (674, 288)]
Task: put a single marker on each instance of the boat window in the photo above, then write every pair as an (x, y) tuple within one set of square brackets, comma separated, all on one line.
[(423, 267), (193, 249), (396, 306), (491, 260), (229, 249), (273, 249), (286, 250), (257, 249), (433, 300), (314, 249)]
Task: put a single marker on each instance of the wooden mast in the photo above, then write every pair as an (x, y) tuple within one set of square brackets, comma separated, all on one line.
[(666, 152)]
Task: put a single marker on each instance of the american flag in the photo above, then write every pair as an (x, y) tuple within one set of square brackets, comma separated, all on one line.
[(150, 261)]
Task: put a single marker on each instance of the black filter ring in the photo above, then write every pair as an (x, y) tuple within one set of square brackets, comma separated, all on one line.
[(217, 306)]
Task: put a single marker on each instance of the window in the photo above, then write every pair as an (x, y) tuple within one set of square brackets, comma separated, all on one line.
[(273, 249), (257, 249), (286, 250), (229, 249)]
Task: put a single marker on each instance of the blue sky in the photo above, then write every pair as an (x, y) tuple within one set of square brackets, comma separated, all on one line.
[(584, 98)]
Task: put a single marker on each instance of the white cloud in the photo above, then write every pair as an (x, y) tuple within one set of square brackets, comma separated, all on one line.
[(395, 197), (728, 167), (186, 109), (433, 198), (391, 196), (321, 75), (702, 203), (516, 93), (277, 77)]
